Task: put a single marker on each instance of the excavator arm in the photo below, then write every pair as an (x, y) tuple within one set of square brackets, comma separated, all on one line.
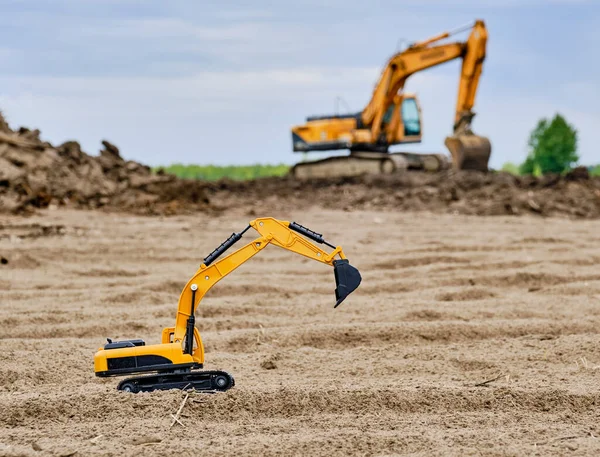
[(421, 56), (176, 362), (283, 234), (397, 71), (472, 66)]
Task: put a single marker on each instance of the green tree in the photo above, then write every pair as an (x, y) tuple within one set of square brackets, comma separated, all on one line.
[(553, 147)]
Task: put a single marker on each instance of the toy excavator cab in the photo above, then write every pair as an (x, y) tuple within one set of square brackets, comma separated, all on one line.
[(110, 344)]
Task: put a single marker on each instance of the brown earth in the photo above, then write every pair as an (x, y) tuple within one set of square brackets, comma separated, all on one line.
[(574, 195), (34, 174), (468, 336)]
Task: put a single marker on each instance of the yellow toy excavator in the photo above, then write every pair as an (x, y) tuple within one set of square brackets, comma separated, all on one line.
[(393, 117), (176, 362)]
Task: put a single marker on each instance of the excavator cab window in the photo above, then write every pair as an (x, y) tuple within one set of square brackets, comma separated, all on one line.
[(410, 117)]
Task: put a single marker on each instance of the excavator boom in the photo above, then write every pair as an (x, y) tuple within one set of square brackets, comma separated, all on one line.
[(181, 352), (282, 234)]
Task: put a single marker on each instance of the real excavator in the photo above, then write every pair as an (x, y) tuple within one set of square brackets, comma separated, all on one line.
[(176, 362), (393, 117)]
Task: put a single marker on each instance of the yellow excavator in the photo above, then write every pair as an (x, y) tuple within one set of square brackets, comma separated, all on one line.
[(176, 362), (393, 117)]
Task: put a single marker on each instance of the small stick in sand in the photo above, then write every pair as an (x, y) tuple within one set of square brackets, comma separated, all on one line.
[(176, 416), (176, 420), (485, 383)]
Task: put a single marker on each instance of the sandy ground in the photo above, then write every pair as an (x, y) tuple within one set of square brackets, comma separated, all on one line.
[(447, 303)]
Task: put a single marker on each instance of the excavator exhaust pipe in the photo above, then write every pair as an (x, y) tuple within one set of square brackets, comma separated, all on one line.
[(347, 279), (469, 152)]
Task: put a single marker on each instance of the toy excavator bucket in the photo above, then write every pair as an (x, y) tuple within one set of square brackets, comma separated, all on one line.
[(347, 279), (469, 152)]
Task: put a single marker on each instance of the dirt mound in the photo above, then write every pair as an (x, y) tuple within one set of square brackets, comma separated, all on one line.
[(36, 174), (459, 192)]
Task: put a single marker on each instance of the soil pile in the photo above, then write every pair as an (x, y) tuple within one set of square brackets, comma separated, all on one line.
[(459, 192), (36, 174)]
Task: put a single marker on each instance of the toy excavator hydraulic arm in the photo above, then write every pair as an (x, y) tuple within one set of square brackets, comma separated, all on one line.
[(181, 350), (272, 231)]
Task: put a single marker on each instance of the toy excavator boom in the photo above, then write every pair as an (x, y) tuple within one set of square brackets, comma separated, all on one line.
[(175, 362)]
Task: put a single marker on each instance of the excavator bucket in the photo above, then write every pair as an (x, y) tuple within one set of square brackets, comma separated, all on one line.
[(347, 279), (469, 152)]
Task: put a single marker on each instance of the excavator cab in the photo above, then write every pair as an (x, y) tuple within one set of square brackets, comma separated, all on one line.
[(402, 121), (400, 124)]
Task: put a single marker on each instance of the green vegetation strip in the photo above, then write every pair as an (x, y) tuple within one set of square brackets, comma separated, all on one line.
[(214, 172)]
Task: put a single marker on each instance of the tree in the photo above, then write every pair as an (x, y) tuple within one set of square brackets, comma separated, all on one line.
[(553, 147)]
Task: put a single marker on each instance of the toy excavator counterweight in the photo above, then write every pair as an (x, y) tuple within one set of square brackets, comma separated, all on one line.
[(176, 362)]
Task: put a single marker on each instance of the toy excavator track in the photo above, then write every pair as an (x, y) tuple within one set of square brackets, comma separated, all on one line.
[(204, 381)]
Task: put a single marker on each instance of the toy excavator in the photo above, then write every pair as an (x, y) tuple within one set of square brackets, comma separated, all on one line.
[(393, 117), (175, 363)]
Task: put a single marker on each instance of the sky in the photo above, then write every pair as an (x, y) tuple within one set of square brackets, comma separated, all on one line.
[(222, 82)]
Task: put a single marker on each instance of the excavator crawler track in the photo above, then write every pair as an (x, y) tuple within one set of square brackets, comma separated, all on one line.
[(204, 381), (372, 163)]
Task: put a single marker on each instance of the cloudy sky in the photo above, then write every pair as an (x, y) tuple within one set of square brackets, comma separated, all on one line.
[(223, 81)]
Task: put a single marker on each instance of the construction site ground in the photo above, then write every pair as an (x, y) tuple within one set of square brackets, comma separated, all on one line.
[(470, 335)]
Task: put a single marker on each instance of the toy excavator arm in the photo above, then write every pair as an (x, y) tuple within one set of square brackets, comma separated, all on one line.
[(421, 56), (271, 231)]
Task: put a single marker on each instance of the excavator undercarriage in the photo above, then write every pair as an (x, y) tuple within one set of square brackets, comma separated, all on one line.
[(358, 163), (207, 381)]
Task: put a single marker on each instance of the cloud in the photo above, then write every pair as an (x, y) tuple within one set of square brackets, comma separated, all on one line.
[(171, 28), (254, 111), (6, 54), (251, 109), (504, 116), (504, 4), (224, 81)]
